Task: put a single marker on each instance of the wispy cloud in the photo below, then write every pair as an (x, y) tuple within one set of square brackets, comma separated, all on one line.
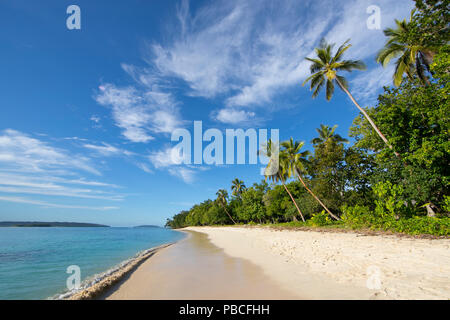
[(20, 151), (167, 157), (234, 116), (170, 159), (53, 205), (107, 150), (367, 85), (32, 166), (140, 112), (185, 174), (250, 52)]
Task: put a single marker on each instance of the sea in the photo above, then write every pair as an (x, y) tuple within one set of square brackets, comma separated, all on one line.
[(37, 262)]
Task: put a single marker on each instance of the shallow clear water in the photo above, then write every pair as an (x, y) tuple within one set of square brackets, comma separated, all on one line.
[(33, 261)]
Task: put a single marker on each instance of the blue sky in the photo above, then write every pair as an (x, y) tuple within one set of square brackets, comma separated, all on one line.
[(86, 115)]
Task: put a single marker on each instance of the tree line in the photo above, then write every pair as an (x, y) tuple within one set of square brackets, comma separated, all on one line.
[(396, 174)]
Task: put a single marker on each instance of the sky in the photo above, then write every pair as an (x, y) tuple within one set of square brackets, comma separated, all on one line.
[(87, 115)]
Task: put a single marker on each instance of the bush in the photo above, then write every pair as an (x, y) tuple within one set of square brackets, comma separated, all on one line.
[(360, 217), (389, 204), (320, 219), (357, 216), (423, 225)]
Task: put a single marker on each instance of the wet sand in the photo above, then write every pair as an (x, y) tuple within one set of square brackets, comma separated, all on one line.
[(194, 268)]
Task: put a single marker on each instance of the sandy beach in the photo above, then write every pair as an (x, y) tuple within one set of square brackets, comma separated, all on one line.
[(324, 265), (263, 263), (194, 268)]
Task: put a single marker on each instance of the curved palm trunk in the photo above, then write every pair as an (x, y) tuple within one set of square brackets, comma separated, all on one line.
[(315, 197), (228, 213), (293, 200), (367, 117)]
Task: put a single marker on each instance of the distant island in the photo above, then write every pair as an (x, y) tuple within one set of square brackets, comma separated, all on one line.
[(49, 224), (147, 226)]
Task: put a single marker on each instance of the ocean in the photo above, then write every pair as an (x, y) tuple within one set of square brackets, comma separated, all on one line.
[(34, 261)]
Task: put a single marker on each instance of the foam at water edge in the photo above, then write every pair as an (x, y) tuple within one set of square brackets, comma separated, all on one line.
[(95, 279)]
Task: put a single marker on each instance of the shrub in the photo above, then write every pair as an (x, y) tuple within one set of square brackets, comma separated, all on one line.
[(356, 216), (320, 219), (423, 225), (389, 203)]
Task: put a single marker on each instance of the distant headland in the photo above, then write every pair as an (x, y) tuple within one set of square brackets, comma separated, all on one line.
[(48, 224)]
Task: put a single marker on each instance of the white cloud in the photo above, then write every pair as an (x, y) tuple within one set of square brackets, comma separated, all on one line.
[(366, 85), (54, 186), (107, 150), (95, 118), (32, 166), (20, 151), (185, 174), (144, 167), (60, 191), (140, 113), (165, 158), (53, 205), (171, 159), (234, 116), (249, 52)]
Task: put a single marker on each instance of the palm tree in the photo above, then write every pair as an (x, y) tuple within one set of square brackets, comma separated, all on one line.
[(327, 134), (324, 70), (412, 56), (238, 187), (276, 170), (222, 196), (295, 165)]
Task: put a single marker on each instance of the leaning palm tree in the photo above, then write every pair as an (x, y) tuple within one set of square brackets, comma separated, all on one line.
[(327, 134), (325, 68), (295, 165), (222, 196), (413, 57), (238, 187), (276, 169)]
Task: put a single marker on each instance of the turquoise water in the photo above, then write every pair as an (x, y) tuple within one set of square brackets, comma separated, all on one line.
[(33, 261)]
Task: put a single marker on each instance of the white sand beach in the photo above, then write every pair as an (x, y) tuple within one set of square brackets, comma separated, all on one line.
[(336, 265)]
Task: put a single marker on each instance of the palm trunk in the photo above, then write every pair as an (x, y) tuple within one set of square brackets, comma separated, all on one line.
[(228, 213), (315, 197), (293, 200), (367, 117)]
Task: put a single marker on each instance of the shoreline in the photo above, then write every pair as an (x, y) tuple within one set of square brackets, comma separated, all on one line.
[(342, 265), (99, 284), (196, 269)]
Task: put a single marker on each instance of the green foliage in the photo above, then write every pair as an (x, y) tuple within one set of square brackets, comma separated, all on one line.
[(389, 204), (320, 219), (417, 119), (365, 184), (423, 225), (357, 216), (446, 205)]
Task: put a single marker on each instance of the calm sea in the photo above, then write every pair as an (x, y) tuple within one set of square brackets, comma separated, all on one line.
[(33, 261)]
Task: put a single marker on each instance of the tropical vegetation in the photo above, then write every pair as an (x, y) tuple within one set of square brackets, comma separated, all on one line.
[(398, 183)]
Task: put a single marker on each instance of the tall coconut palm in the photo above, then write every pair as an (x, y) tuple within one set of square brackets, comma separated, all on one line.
[(325, 68), (326, 134), (222, 196), (295, 165), (238, 187), (276, 169), (412, 56)]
